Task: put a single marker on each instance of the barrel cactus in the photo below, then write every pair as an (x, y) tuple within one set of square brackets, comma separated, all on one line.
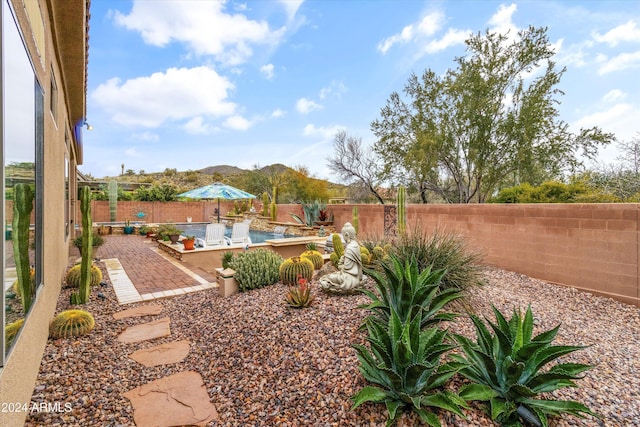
[(365, 255), (315, 257), (295, 267), (338, 249), (71, 323), (17, 289), (10, 332), (74, 275)]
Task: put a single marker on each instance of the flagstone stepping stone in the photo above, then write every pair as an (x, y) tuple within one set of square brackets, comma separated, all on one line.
[(163, 354), (146, 331), (143, 310), (177, 400)]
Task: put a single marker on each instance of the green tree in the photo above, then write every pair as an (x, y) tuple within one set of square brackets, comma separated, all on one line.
[(300, 186), (490, 122)]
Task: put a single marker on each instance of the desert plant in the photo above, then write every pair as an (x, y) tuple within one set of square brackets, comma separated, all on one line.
[(401, 203), (166, 230), (71, 323), (403, 289), (299, 295), (505, 369), (73, 276), (265, 204), (355, 219), (226, 259), (295, 267), (22, 207), (113, 200), (10, 332), (96, 241), (405, 364), (256, 268), (315, 257), (338, 249), (441, 251), (84, 287), (17, 289), (365, 256), (311, 246), (274, 203)]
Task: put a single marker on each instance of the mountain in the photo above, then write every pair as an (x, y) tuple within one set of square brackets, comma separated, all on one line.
[(222, 170)]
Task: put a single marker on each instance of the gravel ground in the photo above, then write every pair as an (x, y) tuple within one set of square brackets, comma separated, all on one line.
[(265, 364)]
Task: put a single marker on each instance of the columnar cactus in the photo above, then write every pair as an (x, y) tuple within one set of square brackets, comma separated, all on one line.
[(338, 249), (402, 209), (22, 207), (87, 246), (113, 199), (315, 257), (355, 221), (274, 204), (265, 204), (71, 323), (293, 268)]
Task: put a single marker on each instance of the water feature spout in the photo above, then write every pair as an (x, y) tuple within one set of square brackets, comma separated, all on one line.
[(279, 230)]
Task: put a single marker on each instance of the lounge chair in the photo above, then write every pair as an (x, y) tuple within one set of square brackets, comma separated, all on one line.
[(240, 234), (214, 235)]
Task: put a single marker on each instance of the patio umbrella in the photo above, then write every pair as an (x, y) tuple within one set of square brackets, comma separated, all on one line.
[(217, 191)]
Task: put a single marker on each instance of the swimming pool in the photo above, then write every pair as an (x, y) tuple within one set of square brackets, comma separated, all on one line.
[(257, 236)]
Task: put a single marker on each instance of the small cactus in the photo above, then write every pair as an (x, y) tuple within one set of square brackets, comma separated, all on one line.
[(256, 268), (17, 289), (74, 275), (10, 332), (338, 249), (265, 204), (295, 267), (365, 255), (355, 220), (402, 210), (71, 323), (315, 257)]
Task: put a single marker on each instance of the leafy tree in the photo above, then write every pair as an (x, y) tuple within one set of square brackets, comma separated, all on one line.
[(353, 162), (491, 121), (264, 180), (301, 186), (157, 193)]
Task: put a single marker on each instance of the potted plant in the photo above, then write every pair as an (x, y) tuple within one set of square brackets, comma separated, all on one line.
[(324, 217), (143, 230), (128, 228), (189, 243), (170, 232)]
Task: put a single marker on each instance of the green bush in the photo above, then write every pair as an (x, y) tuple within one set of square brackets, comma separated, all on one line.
[(505, 369), (256, 268), (440, 251), (554, 192), (96, 241)]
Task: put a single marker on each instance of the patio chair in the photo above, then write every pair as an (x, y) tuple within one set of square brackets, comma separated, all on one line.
[(240, 234), (214, 235)]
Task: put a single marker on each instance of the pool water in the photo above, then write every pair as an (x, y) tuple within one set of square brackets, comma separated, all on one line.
[(257, 236)]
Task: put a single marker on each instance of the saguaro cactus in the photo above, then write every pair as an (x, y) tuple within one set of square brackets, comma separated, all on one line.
[(113, 199), (265, 204), (87, 246), (22, 207), (402, 209), (274, 204)]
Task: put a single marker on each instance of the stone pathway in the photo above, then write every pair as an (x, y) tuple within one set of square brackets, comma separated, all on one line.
[(175, 400)]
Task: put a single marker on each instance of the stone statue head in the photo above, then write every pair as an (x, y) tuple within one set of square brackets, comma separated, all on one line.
[(348, 232)]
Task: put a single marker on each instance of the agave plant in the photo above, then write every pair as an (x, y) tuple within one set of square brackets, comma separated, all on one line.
[(505, 370), (406, 291), (404, 363), (299, 296)]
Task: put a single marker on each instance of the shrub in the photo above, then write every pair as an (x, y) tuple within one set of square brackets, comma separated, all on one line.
[(226, 259), (505, 370), (256, 268), (96, 241), (10, 332), (442, 251), (295, 267), (73, 276), (299, 296), (71, 323), (315, 257)]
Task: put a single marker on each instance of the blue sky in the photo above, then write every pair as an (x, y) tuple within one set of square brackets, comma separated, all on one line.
[(189, 84)]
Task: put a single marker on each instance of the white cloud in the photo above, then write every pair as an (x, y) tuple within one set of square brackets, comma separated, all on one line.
[(237, 123), (178, 94), (197, 126), (291, 7), (426, 27), (501, 22), (146, 136), (623, 61), (335, 88), (621, 119), (326, 132), (451, 38), (277, 113), (628, 32), (203, 26), (614, 95), (305, 106), (267, 70), (132, 152)]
